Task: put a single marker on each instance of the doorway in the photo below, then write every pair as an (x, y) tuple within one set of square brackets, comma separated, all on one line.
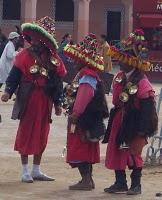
[(113, 25)]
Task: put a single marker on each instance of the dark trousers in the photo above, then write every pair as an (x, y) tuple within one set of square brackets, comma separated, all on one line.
[(85, 168)]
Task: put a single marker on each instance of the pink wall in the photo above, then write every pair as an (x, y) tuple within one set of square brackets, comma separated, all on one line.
[(43, 8), (146, 6)]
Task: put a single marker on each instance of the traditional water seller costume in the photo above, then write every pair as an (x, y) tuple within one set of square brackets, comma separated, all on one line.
[(133, 118), (86, 112), (37, 73)]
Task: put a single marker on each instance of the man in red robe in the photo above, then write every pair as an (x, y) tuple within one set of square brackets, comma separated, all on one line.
[(85, 124), (37, 73), (133, 118)]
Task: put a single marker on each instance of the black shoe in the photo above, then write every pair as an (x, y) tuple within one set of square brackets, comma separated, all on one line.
[(117, 188), (159, 194), (134, 190)]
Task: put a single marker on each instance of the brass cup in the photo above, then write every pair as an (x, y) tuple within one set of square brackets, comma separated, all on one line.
[(34, 69), (43, 71), (129, 84), (69, 91), (133, 89), (75, 85), (124, 97)]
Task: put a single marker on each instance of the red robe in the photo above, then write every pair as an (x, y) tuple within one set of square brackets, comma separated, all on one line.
[(79, 150), (117, 159), (33, 130)]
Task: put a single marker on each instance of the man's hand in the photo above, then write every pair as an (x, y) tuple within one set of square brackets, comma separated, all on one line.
[(73, 119), (5, 97), (58, 110)]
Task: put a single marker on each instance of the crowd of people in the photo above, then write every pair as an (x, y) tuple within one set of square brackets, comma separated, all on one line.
[(37, 72)]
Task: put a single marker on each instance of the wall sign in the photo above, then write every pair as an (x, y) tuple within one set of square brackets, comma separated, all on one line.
[(155, 73), (159, 5), (156, 67)]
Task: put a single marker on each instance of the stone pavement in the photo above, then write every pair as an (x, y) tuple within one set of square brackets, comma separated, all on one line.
[(53, 164)]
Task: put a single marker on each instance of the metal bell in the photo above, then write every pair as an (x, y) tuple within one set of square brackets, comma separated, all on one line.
[(124, 97), (64, 152), (75, 85), (71, 101), (54, 61), (43, 71)]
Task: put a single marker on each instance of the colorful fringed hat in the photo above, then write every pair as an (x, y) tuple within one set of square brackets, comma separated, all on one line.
[(86, 52), (131, 51), (44, 30)]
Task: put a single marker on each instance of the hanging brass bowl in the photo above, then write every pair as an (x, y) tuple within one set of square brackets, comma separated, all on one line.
[(133, 89), (118, 79), (124, 97), (34, 69), (43, 71), (54, 61)]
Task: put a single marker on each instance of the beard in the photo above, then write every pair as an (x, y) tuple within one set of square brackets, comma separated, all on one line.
[(38, 48)]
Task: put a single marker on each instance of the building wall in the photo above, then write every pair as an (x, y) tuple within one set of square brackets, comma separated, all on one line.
[(44, 8), (7, 25), (98, 15)]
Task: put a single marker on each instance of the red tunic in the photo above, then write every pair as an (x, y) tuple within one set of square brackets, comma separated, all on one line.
[(117, 159), (77, 149), (33, 130)]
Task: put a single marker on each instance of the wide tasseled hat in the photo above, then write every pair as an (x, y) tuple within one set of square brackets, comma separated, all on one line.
[(132, 51), (43, 30), (86, 52)]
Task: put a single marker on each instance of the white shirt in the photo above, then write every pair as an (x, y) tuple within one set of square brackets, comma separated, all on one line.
[(6, 61)]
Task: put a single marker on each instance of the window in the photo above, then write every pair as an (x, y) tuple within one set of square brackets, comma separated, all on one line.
[(154, 38), (11, 9), (64, 10)]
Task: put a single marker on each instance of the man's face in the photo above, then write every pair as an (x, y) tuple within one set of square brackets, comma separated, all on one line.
[(37, 45), (102, 41), (16, 40), (69, 38), (125, 68), (77, 66)]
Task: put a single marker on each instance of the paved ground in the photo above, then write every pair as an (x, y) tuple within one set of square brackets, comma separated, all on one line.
[(53, 164)]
